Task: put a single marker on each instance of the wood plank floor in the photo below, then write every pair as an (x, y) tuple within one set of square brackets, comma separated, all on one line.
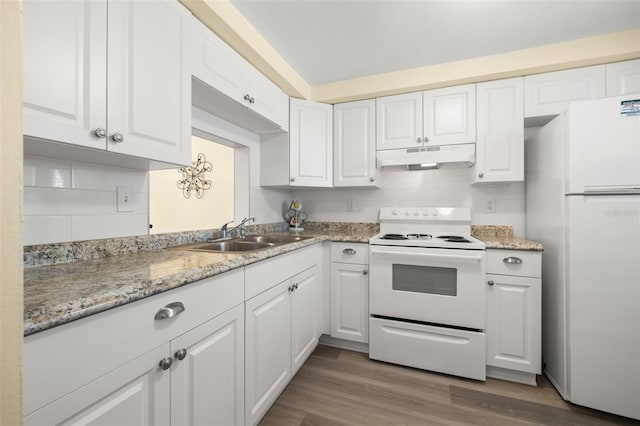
[(340, 387)]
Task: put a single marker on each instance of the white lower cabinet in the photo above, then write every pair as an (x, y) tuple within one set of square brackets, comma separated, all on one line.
[(514, 315), (207, 384), (280, 336), (136, 393), (350, 292), (196, 378)]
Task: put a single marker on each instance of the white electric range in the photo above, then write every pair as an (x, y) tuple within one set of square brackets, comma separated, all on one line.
[(427, 298)]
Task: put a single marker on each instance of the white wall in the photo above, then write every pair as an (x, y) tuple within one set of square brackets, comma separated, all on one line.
[(72, 201), (449, 186)]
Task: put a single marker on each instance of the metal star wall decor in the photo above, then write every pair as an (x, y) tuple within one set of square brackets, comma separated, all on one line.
[(193, 178)]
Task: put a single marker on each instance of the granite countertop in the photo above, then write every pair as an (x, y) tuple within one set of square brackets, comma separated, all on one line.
[(55, 294), (501, 237)]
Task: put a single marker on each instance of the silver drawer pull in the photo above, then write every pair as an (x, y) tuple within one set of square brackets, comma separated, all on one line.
[(169, 311), (512, 260), (349, 251)]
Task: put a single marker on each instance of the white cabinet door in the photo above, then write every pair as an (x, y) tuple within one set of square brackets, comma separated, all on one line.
[(500, 145), (135, 394), (207, 385), (450, 115), (550, 93), (311, 144), (304, 336), (217, 64), (267, 349), (149, 80), (354, 148), (514, 323), (350, 302), (399, 121), (623, 78), (64, 71), (267, 99)]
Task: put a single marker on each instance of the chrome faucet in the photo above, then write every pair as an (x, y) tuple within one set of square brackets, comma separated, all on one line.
[(223, 230), (243, 231)]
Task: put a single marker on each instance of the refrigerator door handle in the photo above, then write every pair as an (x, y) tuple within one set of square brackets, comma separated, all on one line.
[(612, 189)]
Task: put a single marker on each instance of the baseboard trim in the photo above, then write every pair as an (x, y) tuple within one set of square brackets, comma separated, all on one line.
[(511, 375), (327, 340)]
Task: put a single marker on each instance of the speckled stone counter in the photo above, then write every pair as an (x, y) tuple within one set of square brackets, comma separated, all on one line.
[(58, 293), (501, 237)]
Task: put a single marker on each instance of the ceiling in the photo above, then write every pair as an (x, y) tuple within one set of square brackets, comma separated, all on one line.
[(332, 40)]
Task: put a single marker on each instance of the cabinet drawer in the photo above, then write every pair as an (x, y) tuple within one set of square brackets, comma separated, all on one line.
[(60, 360), (350, 253), (263, 275), (514, 262)]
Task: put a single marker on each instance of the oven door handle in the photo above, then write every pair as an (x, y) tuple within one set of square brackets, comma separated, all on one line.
[(450, 257)]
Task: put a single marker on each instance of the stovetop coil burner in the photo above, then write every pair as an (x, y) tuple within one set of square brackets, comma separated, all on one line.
[(454, 239)]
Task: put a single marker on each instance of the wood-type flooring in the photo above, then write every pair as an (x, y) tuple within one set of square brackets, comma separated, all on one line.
[(340, 387)]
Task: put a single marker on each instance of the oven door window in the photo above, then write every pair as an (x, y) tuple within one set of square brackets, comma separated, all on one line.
[(425, 279)]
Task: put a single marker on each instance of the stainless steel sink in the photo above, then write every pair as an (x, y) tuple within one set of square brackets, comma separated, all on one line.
[(231, 246), (247, 244), (274, 239)]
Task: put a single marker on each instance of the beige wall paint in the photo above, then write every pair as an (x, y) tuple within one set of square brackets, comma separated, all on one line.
[(578, 53), (10, 212), (223, 19), (170, 211)]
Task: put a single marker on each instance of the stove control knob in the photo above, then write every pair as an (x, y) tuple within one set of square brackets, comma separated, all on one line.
[(406, 213), (394, 212), (425, 213), (416, 213), (435, 213)]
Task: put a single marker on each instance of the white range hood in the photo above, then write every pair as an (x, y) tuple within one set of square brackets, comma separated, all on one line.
[(428, 156)]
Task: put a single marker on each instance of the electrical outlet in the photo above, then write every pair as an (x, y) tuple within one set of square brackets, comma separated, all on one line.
[(490, 205), (351, 205), (125, 200)]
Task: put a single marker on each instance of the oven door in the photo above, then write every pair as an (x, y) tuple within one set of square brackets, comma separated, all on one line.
[(440, 286)]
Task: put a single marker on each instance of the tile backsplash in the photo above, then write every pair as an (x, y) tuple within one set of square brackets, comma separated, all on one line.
[(72, 201), (446, 187)]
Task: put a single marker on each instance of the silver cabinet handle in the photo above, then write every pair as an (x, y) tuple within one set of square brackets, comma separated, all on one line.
[(165, 363), (349, 251), (100, 132), (481, 175), (252, 100), (372, 179), (247, 98), (290, 289), (490, 282), (169, 311), (117, 137), (511, 260), (180, 354), (365, 272), (419, 140), (293, 179), (426, 139)]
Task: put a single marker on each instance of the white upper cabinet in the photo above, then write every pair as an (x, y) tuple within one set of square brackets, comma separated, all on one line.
[(500, 145), (549, 94), (311, 144), (623, 78), (434, 117), (223, 69), (399, 121), (65, 74), (137, 102), (354, 144), (450, 115)]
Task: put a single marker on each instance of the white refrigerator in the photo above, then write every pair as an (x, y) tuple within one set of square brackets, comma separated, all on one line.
[(583, 205)]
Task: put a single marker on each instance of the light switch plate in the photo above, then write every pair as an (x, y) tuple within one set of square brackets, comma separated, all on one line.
[(351, 205), (125, 200)]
